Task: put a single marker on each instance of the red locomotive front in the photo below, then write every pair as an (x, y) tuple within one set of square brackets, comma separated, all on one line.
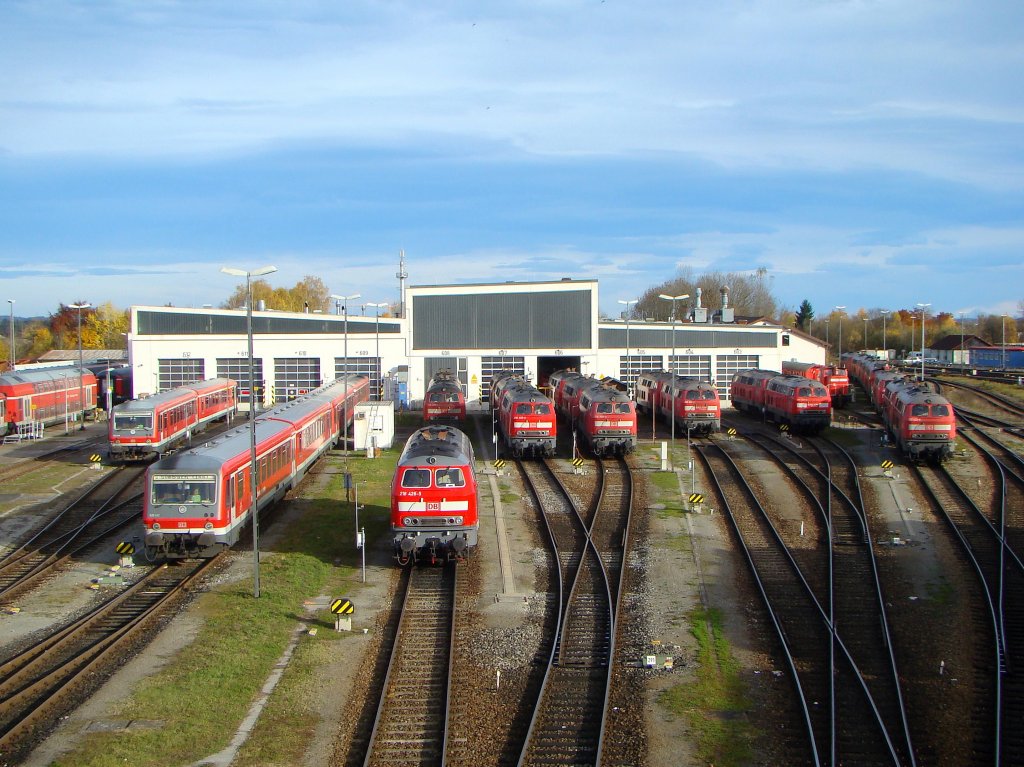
[(433, 498)]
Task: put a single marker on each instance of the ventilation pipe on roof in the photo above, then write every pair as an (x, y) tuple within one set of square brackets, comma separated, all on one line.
[(700, 314), (261, 305), (728, 313)]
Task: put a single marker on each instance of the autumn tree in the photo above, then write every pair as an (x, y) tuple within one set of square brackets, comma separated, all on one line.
[(309, 292), (105, 328)]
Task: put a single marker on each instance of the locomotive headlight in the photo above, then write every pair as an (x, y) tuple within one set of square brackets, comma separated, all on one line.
[(411, 521), (208, 526), (156, 525)]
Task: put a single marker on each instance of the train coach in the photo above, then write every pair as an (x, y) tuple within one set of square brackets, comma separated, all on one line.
[(921, 421), (800, 403), (444, 399), (46, 396), (526, 418), (198, 501), (835, 379), (434, 515), (150, 427)]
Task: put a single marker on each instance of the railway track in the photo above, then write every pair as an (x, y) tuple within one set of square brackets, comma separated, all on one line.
[(568, 720), (48, 679), (411, 722), (842, 720), (21, 468), (104, 507)]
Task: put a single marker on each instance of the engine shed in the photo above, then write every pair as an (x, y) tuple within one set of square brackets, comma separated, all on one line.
[(471, 330)]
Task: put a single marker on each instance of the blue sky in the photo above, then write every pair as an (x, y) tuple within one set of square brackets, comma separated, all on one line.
[(867, 153)]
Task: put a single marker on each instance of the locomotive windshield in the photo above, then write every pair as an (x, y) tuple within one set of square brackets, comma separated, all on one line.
[(940, 410), (709, 394), (919, 410), (176, 489), (416, 478), (133, 422), (622, 407), (451, 477)]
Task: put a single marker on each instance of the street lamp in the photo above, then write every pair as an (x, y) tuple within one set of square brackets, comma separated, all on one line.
[(12, 355), (865, 333), (885, 349), (827, 344), (627, 304), (924, 308), (253, 487), (672, 365), (839, 355), (376, 329), (344, 301), (81, 366), (1004, 342), (963, 361)]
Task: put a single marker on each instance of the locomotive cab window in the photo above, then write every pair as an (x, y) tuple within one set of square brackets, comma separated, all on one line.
[(450, 478), (542, 409), (622, 408), (523, 409), (416, 478), (604, 407), (173, 491), (919, 410), (709, 394), (940, 410)]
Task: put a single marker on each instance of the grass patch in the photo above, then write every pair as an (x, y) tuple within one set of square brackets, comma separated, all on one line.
[(665, 491), (715, 704), (941, 592), (202, 695)]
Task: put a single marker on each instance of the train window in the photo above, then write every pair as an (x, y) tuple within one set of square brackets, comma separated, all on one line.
[(136, 421), (604, 407), (416, 478), (542, 408), (174, 491), (451, 477), (919, 410), (436, 397), (622, 408), (709, 394), (693, 395), (523, 409), (804, 391), (942, 410)]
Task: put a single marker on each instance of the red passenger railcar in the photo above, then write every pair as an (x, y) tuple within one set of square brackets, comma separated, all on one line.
[(444, 399), (434, 514), (47, 396), (152, 426), (198, 501)]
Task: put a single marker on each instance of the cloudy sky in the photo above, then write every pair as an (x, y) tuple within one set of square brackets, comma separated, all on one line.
[(866, 153)]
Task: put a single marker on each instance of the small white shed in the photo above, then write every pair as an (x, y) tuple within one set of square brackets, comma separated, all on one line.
[(373, 427)]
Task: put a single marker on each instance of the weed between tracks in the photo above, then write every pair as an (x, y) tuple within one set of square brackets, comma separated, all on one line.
[(203, 694), (714, 706)]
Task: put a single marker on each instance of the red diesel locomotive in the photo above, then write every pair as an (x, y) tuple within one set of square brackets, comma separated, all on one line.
[(921, 421), (144, 428), (46, 396), (444, 399), (598, 410), (835, 379), (526, 418), (198, 501), (433, 498), (801, 403)]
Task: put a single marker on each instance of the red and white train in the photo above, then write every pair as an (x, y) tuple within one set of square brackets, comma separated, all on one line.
[(801, 403), (920, 420), (835, 379), (198, 501), (434, 514), (150, 427), (599, 410), (444, 399), (526, 418), (45, 396), (697, 407)]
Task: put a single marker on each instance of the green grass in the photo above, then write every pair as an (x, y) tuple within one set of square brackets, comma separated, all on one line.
[(715, 704), (665, 492), (203, 694)]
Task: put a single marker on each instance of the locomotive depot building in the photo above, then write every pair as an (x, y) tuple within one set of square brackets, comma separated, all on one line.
[(471, 330)]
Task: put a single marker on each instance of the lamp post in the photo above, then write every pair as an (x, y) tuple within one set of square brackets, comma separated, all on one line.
[(924, 308), (376, 329), (12, 355), (81, 378), (344, 301), (865, 333), (253, 487), (885, 349), (629, 370), (839, 355), (827, 344), (672, 366), (1004, 342), (963, 361)]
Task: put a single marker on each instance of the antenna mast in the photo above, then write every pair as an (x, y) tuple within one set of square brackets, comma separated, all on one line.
[(402, 276)]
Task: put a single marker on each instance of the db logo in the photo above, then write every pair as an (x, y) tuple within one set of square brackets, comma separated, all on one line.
[(433, 506)]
